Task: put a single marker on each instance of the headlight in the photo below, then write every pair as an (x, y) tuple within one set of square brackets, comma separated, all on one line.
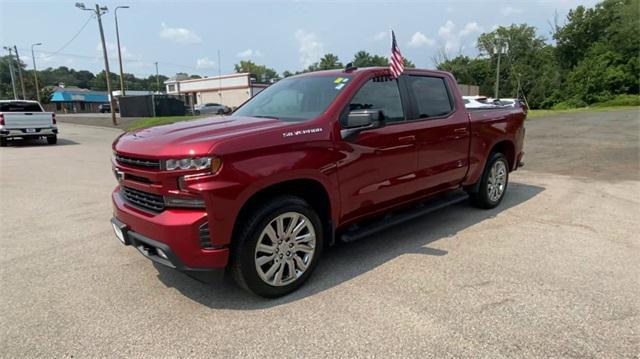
[(199, 163)]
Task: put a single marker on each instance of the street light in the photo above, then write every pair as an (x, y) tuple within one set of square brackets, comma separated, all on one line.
[(99, 11), (35, 70), (119, 54)]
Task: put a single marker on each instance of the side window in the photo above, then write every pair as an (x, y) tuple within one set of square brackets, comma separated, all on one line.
[(432, 97), (380, 93)]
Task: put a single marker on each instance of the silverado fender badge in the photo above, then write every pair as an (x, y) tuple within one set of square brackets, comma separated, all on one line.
[(302, 132)]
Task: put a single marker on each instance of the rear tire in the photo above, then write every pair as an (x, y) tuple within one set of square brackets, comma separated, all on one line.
[(197, 113), (52, 140), (221, 112), (493, 183), (3, 142), (277, 247)]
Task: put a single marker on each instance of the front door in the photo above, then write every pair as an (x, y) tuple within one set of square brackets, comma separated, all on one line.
[(378, 167)]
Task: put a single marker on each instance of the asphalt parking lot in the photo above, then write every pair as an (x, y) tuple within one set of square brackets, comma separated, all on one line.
[(553, 272)]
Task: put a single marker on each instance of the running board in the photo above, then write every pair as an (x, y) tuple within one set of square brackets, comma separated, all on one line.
[(359, 231)]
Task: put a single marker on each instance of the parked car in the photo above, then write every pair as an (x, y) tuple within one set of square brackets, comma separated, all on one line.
[(209, 108), (311, 160), (26, 119), (478, 102), (105, 107)]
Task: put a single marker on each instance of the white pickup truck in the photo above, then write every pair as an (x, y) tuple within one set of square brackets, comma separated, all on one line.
[(26, 119)]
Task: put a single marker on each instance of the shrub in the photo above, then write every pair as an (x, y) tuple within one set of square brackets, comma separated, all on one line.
[(620, 100)]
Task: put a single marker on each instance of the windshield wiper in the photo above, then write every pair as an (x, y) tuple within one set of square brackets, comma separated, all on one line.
[(262, 116)]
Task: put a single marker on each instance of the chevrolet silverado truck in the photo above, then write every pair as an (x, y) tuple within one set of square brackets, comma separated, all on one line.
[(312, 160), (26, 119)]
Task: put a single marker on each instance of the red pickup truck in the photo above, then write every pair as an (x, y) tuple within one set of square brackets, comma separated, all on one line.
[(313, 159)]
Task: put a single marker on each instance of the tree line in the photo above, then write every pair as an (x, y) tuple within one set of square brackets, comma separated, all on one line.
[(595, 58)]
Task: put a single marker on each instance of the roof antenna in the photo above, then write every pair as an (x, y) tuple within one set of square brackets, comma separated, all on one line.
[(349, 67)]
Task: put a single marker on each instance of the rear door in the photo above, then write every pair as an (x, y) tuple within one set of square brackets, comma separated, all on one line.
[(443, 135), (378, 168), (25, 115)]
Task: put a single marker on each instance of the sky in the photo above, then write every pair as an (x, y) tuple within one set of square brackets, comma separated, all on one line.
[(185, 36)]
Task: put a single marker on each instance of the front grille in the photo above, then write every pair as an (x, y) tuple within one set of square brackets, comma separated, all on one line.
[(139, 162), (148, 201), (205, 236)]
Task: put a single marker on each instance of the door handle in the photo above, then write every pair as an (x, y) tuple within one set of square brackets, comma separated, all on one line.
[(460, 130), (410, 138)]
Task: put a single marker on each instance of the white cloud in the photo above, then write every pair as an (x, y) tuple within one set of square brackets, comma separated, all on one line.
[(452, 39), (205, 64), (249, 53), (471, 28), (179, 35), (509, 10), (449, 35), (419, 39), (380, 36), (310, 48)]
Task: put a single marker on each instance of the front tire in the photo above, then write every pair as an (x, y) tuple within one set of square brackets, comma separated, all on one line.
[(277, 247), (493, 183)]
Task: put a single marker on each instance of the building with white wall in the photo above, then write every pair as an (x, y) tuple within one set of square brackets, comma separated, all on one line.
[(230, 90)]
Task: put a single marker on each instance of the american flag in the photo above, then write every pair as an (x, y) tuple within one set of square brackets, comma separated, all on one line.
[(397, 62)]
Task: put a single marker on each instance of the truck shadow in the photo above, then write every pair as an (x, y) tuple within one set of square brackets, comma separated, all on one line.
[(39, 142), (347, 261)]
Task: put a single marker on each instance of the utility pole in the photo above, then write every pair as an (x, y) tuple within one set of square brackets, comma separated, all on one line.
[(35, 71), (500, 47), (99, 11), (24, 93), (13, 77), (119, 54), (157, 78), (219, 77)]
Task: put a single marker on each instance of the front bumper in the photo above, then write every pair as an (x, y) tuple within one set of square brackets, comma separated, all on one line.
[(175, 232), (22, 132)]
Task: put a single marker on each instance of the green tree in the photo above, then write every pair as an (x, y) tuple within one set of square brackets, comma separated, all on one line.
[(262, 72), (365, 59)]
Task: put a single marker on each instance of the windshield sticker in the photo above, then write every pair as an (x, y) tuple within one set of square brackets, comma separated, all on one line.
[(338, 80), (339, 87), (301, 132)]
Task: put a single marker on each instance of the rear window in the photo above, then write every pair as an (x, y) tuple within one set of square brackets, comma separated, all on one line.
[(431, 96), (20, 107)]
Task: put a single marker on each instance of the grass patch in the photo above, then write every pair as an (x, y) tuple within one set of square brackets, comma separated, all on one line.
[(157, 121), (592, 108)]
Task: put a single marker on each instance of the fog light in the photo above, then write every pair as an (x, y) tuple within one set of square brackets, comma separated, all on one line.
[(161, 253)]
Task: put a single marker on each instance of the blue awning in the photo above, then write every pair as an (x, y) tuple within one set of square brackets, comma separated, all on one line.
[(65, 96)]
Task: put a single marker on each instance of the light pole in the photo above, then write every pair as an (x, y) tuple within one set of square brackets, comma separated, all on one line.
[(157, 78), (115, 12), (99, 11), (13, 77), (35, 70)]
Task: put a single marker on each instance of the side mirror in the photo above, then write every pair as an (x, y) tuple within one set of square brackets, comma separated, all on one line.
[(358, 120), (363, 119)]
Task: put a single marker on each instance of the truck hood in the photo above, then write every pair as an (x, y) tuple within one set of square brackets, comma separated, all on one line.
[(192, 138)]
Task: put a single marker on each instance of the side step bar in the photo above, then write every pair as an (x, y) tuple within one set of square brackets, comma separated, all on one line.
[(359, 231)]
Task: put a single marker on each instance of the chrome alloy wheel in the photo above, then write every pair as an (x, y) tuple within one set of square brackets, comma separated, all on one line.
[(497, 181), (285, 249)]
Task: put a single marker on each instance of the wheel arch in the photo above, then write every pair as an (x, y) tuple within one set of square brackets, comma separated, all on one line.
[(311, 190), (508, 149)]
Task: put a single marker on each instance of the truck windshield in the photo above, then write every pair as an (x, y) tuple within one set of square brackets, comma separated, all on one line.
[(20, 107), (295, 99)]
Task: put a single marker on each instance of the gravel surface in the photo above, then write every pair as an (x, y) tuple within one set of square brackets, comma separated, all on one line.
[(553, 272)]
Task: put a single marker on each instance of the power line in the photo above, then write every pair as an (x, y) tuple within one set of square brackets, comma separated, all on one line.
[(73, 38)]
